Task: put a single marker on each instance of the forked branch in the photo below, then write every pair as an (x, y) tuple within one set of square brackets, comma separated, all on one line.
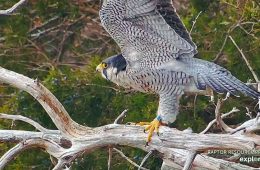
[(49, 102), (71, 140)]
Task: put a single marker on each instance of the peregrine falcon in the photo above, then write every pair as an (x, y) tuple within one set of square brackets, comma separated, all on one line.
[(157, 57)]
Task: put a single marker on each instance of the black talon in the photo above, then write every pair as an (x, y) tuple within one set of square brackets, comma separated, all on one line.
[(144, 130), (146, 144), (158, 134)]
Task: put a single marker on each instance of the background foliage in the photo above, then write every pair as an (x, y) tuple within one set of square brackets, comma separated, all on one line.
[(61, 42)]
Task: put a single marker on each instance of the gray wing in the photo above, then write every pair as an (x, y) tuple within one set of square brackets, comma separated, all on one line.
[(149, 32), (166, 9)]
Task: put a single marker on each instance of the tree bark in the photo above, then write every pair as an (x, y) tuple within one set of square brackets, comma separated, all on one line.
[(71, 140)]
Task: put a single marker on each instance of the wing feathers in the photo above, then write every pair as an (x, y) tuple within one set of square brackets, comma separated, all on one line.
[(146, 30), (168, 12)]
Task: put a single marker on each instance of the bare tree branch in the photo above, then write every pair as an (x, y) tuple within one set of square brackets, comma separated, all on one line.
[(221, 49), (110, 153), (249, 126), (219, 120), (13, 8), (234, 110), (24, 119), (145, 159), (129, 135), (107, 87), (194, 22), (128, 159), (73, 140), (133, 136), (51, 147), (120, 117), (61, 165), (176, 158), (248, 33), (50, 103), (245, 59), (189, 161)]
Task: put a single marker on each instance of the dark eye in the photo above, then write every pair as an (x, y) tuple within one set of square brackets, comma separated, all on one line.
[(104, 65)]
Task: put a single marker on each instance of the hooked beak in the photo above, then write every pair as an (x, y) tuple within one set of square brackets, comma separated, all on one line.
[(99, 68)]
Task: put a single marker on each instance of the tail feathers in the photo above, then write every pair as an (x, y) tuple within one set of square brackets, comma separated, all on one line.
[(243, 88), (222, 82), (214, 84)]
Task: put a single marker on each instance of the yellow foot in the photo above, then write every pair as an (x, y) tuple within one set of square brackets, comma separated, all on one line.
[(151, 127)]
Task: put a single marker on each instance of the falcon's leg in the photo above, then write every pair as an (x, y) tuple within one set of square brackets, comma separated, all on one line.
[(151, 127)]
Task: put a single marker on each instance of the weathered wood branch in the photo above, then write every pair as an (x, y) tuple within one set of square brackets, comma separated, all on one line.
[(134, 136), (120, 117), (71, 140), (131, 135), (219, 120), (234, 110), (201, 161), (128, 159), (13, 8), (194, 22), (249, 126), (49, 102), (190, 160), (110, 153), (51, 147), (245, 59), (24, 119), (145, 159)]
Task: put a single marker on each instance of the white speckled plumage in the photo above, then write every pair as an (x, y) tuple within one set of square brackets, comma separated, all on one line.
[(158, 53)]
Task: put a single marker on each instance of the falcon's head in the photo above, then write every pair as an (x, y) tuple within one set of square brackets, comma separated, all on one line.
[(111, 66)]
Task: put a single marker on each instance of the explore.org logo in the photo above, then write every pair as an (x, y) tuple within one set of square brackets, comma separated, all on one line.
[(243, 156), (250, 159)]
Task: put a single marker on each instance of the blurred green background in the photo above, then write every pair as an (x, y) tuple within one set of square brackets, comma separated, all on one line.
[(61, 42)]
